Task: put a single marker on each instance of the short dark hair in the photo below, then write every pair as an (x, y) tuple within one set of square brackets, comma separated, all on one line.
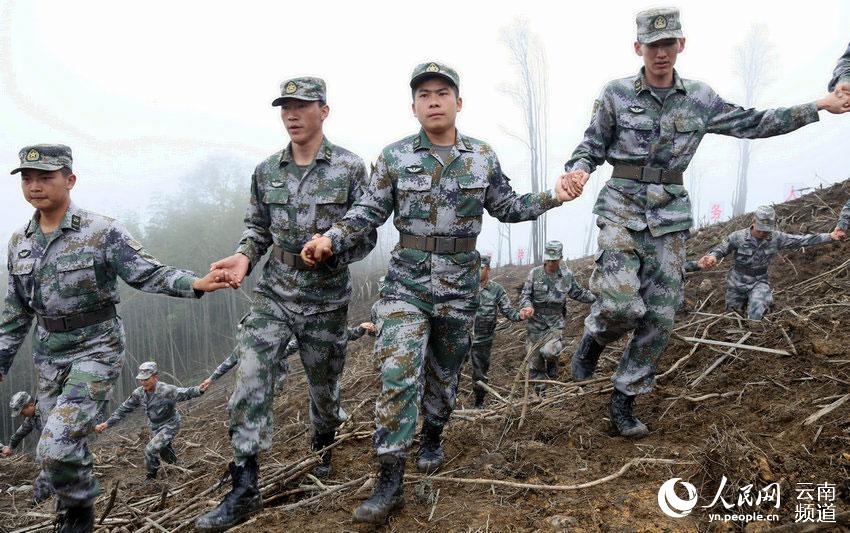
[(435, 76), (66, 171)]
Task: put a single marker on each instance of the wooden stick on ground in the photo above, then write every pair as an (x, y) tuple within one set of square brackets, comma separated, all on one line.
[(734, 345), (826, 410)]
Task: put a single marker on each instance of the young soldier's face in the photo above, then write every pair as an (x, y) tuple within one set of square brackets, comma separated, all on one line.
[(46, 190), (551, 265), (28, 410), (485, 274), (149, 384), (436, 105), (660, 57), (303, 120)]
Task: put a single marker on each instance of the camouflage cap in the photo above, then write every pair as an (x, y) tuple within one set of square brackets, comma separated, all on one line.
[(19, 401), (147, 369), (765, 219), (431, 69), (485, 261), (553, 251), (306, 88), (44, 157), (657, 24)]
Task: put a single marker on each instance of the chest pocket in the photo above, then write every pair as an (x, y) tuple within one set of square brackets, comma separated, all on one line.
[(689, 132), (635, 133), (331, 205), (414, 195), (744, 255), (277, 199), (23, 267), (470, 196), (76, 274)]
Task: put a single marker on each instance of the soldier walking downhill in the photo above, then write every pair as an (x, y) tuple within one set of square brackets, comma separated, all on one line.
[(22, 404)]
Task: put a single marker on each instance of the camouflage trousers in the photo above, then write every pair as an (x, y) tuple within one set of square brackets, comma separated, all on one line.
[(322, 347), (161, 437), (76, 371), (479, 356), (42, 489), (752, 300), (410, 343), (639, 286), (545, 347)]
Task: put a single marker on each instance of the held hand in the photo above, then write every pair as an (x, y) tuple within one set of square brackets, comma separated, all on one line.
[(237, 264), (215, 280), (838, 234), (205, 384), (526, 313), (843, 88), (6, 451), (317, 250), (101, 427), (707, 262), (368, 326), (835, 102), (575, 181)]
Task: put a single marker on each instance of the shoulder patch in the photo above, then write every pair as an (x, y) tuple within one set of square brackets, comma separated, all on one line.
[(416, 143), (467, 144), (75, 222)]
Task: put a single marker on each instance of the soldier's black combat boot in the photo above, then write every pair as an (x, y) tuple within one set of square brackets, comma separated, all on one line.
[(586, 357), (241, 502), (150, 476), (552, 369), (623, 419), (168, 455), (388, 494), (77, 519), (320, 440), (430, 456), (479, 398)]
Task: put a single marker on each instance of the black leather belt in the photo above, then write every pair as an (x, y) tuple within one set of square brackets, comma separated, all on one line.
[(647, 174), (437, 245), (743, 269), (544, 309), (289, 258), (61, 324)]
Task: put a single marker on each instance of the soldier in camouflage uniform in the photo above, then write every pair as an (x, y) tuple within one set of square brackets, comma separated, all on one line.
[(492, 299), (840, 81), (544, 305), (648, 126), (63, 266), (438, 183), (282, 358), (159, 400), (296, 193), (22, 404), (748, 285)]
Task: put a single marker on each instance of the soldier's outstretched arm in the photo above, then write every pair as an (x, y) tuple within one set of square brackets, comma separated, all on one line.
[(593, 149), (505, 307), (371, 210), (717, 253), (526, 309), (129, 405), (729, 119), (360, 250), (844, 217), (787, 241), (841, 76), (142, 271), (504, 204), (577, 292), (255, 241), (187, 393), (14, 322), (225, 366), (23, 430), (352, 334)]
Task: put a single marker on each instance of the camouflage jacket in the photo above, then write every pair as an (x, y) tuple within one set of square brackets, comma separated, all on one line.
[(160, 405), (492, 298), (842, 70), (29, 424), (290, 349), (630, 125), (432, 197), (287, 211), (691, 266), (753, 256), (844, 216), (75, 270), (550, 291)]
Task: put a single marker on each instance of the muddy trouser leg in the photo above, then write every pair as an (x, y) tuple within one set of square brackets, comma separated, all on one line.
[(737, 296), (761, 298), (160, 440), (42, 489), (63, 447), (662, 291), (400, 345), (480, 363), (536, 363), (322, 342), (450, 342), (266, 328)]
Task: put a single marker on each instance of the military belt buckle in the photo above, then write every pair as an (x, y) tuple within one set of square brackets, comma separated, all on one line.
[(651, 175), (444, 246)]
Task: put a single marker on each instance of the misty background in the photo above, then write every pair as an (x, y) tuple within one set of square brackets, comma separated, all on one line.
[(167, 108)]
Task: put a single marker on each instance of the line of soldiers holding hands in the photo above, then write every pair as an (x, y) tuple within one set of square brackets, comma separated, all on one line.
[(314, 209)]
